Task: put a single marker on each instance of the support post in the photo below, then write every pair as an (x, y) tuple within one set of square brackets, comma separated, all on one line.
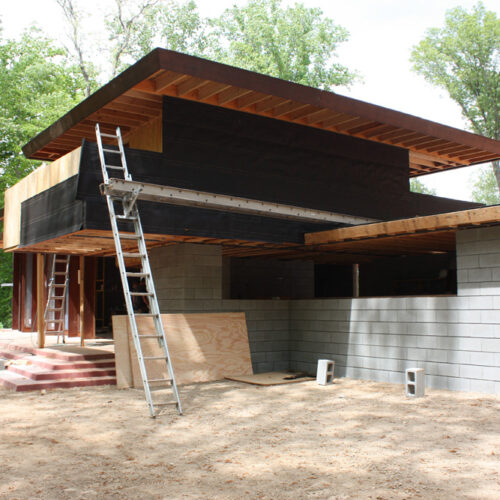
[(355, 280), (82, 299), (40, 295)]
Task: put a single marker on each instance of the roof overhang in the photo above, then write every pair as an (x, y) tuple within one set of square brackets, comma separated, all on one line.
[(134, 98)]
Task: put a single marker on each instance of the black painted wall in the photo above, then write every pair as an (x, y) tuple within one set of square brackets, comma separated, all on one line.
[(224, 151)]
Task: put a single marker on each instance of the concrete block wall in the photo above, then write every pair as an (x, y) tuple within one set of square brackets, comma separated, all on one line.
[(456, 339), (189, 279)]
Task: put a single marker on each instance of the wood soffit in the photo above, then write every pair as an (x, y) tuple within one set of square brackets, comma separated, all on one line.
[(134, 98)]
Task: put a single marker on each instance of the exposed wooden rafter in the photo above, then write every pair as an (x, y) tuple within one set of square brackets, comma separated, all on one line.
[(135, 97)]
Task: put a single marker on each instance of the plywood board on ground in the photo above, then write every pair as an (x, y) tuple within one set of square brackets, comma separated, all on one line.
[(270, 378), (122, 352), (203, 347)]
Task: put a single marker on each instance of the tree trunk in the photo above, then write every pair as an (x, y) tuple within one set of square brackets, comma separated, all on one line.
[(495, 165)]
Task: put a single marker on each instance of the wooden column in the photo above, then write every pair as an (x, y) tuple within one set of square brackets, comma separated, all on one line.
[(81, 274), (74, 298), (16, 292), (89, 287), (355, 280), (40, 295)]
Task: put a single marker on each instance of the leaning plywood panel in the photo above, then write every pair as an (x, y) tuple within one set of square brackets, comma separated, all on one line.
[(44, 177), (203, 347), (122, 352)]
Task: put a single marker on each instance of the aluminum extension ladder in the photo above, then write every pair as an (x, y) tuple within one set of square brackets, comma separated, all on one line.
[(129, 213), (56, 297)]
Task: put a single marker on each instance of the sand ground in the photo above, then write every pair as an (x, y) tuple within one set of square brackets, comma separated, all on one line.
[(350, 440)]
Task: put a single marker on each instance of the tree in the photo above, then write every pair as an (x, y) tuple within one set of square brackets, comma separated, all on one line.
[(463, 58), (74, 17), (485, 189), (294, 43), (417, 186), (37, 86)]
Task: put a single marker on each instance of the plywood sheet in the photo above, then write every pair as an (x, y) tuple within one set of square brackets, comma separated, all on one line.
[(203, 347), (270, 378), (44, 177), (122, 352), (147, 136)]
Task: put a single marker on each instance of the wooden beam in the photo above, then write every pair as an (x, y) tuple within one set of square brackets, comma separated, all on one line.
[(40, 296), (487, 215), (81, 275)]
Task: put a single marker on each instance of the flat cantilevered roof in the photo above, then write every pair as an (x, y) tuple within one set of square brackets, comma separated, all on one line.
[(134, 98)]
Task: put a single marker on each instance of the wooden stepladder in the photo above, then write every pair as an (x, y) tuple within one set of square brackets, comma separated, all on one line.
[(55, 310), (124, 214)]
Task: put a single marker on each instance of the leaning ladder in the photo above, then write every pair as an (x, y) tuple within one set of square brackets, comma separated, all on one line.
[(56, 297), (129, 213)]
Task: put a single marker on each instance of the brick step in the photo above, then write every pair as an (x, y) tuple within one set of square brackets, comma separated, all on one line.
[(57, 364), (18, 383), (71, 356), (39, 373), (7, 354)]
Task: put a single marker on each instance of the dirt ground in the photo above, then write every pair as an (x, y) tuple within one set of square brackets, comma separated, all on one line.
[(350, 440)]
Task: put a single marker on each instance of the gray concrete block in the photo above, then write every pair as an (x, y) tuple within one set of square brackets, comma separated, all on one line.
[(479, 275), (467, 261), (490, 259), (490, 345), (491, 373), (483, 386), (470, 371)]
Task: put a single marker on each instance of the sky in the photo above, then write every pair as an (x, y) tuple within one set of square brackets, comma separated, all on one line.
[(382, 34)]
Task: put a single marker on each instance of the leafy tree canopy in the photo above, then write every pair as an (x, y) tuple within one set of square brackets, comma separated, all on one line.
[(417, 186), (485, 188), (463, 57), (294, 43)]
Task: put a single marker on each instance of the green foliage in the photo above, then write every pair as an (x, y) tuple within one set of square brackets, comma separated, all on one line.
[(417, 186), (485, 188), (294, 43), (37, 86), (5, 292), (463, 58)]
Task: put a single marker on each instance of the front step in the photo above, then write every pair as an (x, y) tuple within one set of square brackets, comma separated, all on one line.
[(38, 373), (18, 383), (55, 368)]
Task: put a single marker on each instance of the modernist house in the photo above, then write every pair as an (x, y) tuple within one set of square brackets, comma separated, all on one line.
[(361, 270)]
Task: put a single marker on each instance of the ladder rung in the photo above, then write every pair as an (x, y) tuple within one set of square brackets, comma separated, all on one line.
[(103, 134), (150, 336), (159, 380), (113, 167), (60, 273), (147, 315), (137, 275), (54, 309), (151, 358), (132, 255), (117, 151), (61, 261), (129, 236), (58, 285), (126, 217), (142, 294)]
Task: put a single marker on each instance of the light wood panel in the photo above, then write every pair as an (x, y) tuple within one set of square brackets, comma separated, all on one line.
[(449, 220), (44, 177), (270, 378), (203, 347), (148, 136)]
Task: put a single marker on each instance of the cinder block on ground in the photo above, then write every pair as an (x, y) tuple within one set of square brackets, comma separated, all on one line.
[(415, 382)]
